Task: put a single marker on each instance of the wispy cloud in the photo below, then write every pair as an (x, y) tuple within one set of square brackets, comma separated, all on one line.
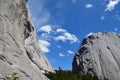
[(115, 29), (49, 34), (117, 16), (40, 15), (62, 38), (61, 30), (74, 1), (46, 28), (59, 34), (44, 18), (70, 52), (111, 5), (58, 46), (89, 5), (71, 37), (45, 36), (44, 46), (102, 17), (61, 55)]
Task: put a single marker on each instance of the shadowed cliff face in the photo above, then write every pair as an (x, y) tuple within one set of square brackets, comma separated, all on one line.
[(19, 49), (99, 54)]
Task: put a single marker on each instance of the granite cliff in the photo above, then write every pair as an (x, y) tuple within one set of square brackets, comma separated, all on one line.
[(19, 49), (99, 54)]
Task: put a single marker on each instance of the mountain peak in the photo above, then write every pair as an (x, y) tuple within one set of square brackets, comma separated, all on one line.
[(99, 54)]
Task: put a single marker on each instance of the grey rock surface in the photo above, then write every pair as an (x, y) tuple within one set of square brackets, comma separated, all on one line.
[(99, 54), (19, 49)]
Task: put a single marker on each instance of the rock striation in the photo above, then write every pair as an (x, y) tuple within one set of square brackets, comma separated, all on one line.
[(99, 54), (19, 49)]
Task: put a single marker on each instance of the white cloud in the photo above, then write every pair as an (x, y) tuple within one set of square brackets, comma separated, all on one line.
[(50, 34), (62, 38), (111, 5), (61, 55), (45, 36), (115, 29), (61, 30), (46, 28), (89, 5), (66, 36), (70, 52), (44, 46), (71, 37)]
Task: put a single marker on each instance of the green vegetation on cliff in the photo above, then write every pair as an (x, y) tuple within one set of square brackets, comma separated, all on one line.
[(11, 77), (69, 75)]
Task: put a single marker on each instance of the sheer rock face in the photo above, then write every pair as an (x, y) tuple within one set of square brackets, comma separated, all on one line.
[(99, 54), (19, 49)]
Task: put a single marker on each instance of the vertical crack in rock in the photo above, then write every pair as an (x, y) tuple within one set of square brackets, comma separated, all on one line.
[(25, 74)]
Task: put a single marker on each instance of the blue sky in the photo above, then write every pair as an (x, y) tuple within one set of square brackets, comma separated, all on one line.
[(61, 25)]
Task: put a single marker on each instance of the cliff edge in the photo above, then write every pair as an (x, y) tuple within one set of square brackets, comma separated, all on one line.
[(19, 49), (99, 54)]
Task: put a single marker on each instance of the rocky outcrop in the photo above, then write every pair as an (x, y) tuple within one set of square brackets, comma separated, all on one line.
[(99, 54), (19, 49)]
